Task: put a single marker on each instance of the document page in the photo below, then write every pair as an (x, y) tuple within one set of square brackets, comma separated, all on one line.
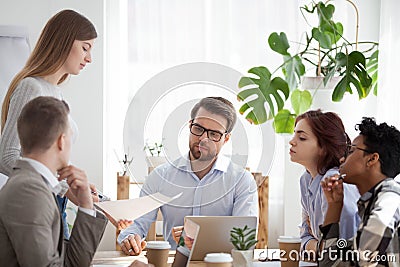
[(132, 209)]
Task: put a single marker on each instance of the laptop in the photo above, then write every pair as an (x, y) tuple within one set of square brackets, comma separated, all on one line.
[(214, 233)]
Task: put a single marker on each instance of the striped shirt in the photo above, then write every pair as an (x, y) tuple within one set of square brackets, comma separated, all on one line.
[(377, 240)]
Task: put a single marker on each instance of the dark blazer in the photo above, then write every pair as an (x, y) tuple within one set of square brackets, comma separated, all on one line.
[(31, 232)]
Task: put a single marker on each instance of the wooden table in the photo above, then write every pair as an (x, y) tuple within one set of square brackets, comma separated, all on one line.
[(119, 259)]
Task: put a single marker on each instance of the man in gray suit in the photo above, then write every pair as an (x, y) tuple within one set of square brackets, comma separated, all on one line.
[(30, 221)]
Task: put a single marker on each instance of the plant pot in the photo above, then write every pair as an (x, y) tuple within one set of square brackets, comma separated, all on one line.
[(315, 83), (123, 183), (242, 258)]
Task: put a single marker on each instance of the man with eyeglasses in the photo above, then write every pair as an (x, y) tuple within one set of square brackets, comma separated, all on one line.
[(211, 184), (373, 159)]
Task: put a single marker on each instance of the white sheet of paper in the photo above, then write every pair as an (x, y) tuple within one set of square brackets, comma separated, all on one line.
[(132, 209)]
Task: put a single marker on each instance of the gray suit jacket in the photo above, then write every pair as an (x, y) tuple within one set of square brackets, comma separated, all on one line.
[(30, 225)]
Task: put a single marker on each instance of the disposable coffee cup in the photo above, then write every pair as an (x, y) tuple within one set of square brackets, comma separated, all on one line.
[(218, 260), (157, 253), (289, 250)]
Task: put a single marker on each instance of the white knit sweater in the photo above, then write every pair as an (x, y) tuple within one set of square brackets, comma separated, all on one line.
[(28, 89)]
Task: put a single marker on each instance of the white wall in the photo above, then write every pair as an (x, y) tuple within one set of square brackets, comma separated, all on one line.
[(84, 92)]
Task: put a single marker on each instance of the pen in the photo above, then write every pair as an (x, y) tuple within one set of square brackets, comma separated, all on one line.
[(341, 177), (101, 196)]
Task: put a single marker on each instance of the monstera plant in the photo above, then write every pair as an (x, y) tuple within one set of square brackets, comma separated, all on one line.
[(265, 93)]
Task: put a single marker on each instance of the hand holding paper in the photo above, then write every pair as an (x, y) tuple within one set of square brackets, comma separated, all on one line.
[(132, 208)]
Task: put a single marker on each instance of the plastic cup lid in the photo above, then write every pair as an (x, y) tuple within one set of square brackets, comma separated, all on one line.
[(289, 239), (218, 257), (158, 245)]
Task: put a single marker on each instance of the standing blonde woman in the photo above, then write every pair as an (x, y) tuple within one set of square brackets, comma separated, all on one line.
[(64, 48)]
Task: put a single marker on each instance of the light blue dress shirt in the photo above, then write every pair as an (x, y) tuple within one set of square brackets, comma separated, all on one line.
[(314, 207), (227, 190)]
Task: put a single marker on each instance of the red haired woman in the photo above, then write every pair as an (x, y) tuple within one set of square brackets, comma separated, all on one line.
[(318, 143)]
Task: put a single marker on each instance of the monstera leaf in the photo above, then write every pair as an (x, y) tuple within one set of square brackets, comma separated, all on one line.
[(260, 90), (293, 69), (284, 122), (355, 74), (372, 69)]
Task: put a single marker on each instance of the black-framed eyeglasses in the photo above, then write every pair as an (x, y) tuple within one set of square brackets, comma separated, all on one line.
[(350, 149), (199, 130)]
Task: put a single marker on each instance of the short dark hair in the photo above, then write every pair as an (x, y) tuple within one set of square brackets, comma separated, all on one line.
[(331, 136), (219, 106), (384, 140), (41, 122)]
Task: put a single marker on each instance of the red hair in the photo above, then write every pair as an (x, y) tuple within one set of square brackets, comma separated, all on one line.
[(331, 135)]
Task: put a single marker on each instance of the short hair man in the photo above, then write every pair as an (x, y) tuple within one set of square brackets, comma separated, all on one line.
[(373, 160), (31, 231), (211, 184)]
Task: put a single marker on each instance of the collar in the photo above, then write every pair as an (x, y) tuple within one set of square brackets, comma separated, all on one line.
[(221, 164), (56, 186), (367, 195)]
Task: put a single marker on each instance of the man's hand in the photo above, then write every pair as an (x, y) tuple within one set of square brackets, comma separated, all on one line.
[(333, 191), (122, 224), (176, 233), (78, 185), (140, 264), (93, 191), (133, 245)]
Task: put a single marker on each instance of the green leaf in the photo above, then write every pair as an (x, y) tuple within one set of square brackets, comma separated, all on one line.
[(301, 101), (325, 39), (293, 69), (284, 122), (261, 90), (340, 89), (325, 13), (372, 69), (328, 34), (243, 238), (279, 43), (250, 244), (355, 75)]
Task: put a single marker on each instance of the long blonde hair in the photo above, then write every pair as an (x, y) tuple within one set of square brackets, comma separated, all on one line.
[(51, 50)]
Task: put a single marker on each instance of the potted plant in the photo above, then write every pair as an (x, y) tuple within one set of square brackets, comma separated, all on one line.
[(123, 179), (154, 154), (328, 52), (243, 239)]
